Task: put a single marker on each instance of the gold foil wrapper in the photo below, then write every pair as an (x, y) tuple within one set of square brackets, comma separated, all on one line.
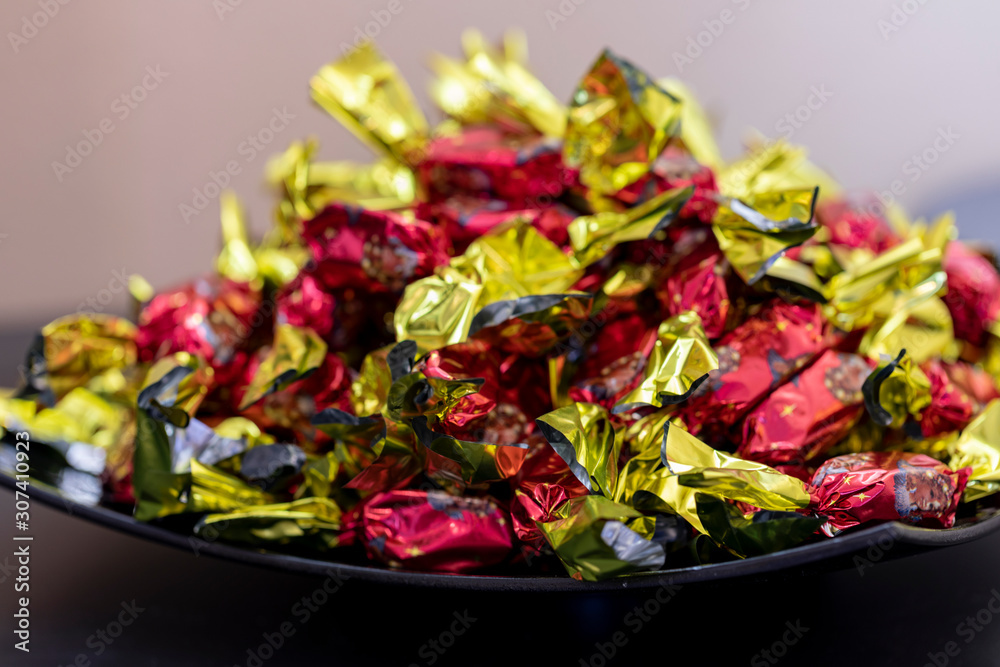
[(620, 120), (493, 86), (593, 543), (756, 231), (295, 352), (690, 467), (978, 447), (583, 436), (366, 93), (80, 348), (594, 236), (680, 361)]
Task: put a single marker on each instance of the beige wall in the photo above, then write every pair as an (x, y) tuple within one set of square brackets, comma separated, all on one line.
[(63, 241)]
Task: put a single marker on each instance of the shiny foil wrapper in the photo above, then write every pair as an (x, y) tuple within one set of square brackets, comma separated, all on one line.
[(973, 297), (806, 416), (886, 486), (486, 162), (371, 251), (760, 354), (535, 335), (435, 531)]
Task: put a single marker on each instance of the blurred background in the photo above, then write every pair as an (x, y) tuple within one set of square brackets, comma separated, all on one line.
[(899, 96), (867, 85)]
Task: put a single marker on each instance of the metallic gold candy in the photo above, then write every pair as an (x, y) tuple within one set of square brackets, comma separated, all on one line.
[(679, 362), (620, 120)]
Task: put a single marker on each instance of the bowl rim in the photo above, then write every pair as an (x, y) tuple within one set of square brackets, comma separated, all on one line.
[(843, 544)]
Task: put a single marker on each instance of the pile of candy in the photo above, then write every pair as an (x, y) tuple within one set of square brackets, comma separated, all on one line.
[(532, 335)]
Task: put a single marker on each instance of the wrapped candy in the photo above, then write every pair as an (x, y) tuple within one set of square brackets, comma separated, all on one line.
[(532, 337), (805, 417), (887, 486), (435, 530)]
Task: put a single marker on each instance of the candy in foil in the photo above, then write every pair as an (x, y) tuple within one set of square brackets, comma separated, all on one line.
[(886, 486), (757, 356), (432, 530), (806, 416), (978, 447), (371, 250), (950, 408), (973, 297), (593, 543), (367, 95), (485, 162), (496, 87), (209, 318), (688, 467), (620, 120)]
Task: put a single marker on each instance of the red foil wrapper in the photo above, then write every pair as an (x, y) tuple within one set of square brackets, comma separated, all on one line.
[(304, 303), (973, 297), (515, 392), (543, 483), (435, 531), (886, 486), (605, 375), (851, 225), (483, 161), (467, 218), (754, 358), (951, 409), (809, 414), (209, 318), (675, 168), (375, 251), (701, 282), (287, 412)]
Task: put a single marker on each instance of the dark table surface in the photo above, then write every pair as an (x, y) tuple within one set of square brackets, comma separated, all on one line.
[(938, 608)]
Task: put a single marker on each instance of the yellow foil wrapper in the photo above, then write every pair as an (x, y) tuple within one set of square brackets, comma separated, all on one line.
[(593, 543), (679, 362), (308, 522), (896, 391), (979, 448), (366, 93), (594, 236), (620, 120), (756, 231), (437, 310), (213, 490), (773, 166), (583, 436), (495, 87), (691, 467), (308, 186), (79, 348), (295, 352), (874, 288), (514, 262), (917, 320), (696, 129)]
